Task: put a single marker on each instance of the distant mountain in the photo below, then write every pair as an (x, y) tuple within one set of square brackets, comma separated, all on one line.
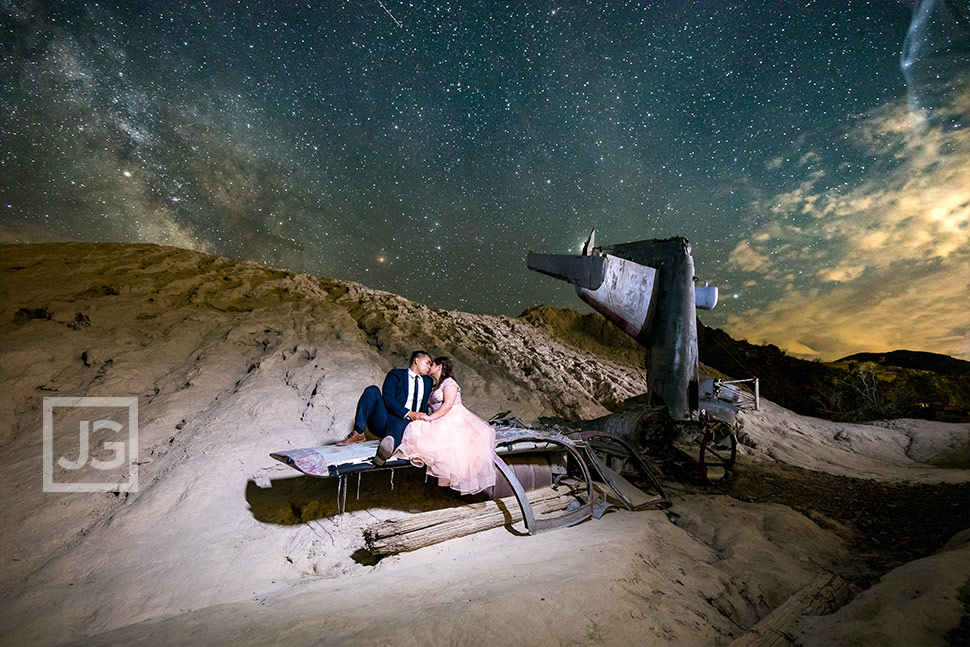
[(914, 359), (865, 386)]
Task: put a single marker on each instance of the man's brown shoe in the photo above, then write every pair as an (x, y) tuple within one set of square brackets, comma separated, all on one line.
[(354, 437)]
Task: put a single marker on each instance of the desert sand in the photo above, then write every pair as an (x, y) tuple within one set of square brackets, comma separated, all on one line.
[(231, 361)]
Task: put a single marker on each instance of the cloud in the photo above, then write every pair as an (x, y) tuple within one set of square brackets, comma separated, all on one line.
[(899, 231), (915, 307), (746, 258), (842, 273)]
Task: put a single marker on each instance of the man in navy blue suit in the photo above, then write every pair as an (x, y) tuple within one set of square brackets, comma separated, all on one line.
[(387, 411)]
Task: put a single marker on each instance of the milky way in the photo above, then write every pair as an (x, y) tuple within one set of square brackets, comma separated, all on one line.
[(815, 154)]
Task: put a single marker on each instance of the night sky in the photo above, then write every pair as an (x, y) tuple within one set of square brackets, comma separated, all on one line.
[(425, 147)]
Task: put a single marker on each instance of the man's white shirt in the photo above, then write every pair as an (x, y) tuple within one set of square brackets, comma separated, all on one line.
[(420, 384)]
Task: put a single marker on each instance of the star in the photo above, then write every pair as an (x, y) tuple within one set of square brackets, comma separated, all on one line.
[(784, 140)]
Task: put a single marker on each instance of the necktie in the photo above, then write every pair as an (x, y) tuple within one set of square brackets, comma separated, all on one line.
[(414, 400)]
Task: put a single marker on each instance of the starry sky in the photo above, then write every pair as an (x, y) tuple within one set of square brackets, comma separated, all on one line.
[(814, 153)]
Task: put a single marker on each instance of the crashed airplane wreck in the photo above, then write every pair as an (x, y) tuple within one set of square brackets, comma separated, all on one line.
[(647, 289)]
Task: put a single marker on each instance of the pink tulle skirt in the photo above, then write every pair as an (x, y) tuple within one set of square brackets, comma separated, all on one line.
[(456, 448)]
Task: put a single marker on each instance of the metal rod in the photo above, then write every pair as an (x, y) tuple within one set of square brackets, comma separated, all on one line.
[(341, 490)]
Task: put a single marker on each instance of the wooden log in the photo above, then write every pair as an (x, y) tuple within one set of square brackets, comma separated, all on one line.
[(826, 594), (427, 528)]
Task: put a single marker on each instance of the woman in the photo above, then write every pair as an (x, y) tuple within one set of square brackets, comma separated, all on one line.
[(453, 443)]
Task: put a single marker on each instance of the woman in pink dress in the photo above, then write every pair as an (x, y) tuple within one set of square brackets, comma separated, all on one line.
[(453, 443)]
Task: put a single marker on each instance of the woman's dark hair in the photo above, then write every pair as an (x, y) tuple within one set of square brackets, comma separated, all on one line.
[(447, 368)]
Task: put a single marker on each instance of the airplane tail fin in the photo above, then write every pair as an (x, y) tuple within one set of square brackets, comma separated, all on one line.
[(582, 271)]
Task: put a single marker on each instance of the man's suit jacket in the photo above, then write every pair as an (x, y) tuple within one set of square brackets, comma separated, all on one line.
[(395, 392)]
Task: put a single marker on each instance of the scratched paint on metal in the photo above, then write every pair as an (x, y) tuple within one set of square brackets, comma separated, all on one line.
[(626, 294)]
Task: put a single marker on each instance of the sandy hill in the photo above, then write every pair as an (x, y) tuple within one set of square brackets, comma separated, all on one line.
[(229, 360), (918, 360)]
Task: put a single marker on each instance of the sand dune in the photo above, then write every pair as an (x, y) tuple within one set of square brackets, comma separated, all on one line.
[(230, 360)]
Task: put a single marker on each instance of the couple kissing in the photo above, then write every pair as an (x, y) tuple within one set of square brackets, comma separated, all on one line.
[(419, 415)]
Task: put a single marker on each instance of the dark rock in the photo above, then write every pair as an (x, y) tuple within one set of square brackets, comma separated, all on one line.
[(25, 315), (81, 320)]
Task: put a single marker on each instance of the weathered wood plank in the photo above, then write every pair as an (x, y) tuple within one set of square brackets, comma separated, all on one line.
[(827, 593), (427, 528)]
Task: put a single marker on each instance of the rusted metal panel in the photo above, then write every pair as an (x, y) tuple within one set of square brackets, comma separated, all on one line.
[(632, 497), (626, 295), (571, 517)]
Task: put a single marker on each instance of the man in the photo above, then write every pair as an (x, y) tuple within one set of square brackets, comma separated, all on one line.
[(387, 411)]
